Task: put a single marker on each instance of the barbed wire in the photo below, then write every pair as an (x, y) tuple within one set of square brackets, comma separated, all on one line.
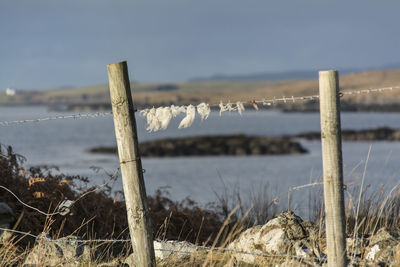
[(18, 232), (304, 186), (58, 117), (64, 207), (28, 206), (228, 106), (368, 91), (254, 253)]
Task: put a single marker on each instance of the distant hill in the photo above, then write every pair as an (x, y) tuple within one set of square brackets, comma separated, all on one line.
[(214, 91), (278, 76), (294, 75)]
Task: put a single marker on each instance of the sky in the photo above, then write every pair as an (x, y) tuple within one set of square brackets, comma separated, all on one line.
[(47, 44)]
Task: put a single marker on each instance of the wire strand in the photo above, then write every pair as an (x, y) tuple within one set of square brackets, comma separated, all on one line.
[(26, 205), (230, 106)]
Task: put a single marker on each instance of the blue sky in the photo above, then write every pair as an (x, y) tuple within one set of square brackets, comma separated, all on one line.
[(52, 43)]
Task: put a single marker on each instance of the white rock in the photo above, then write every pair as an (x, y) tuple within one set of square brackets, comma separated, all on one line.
[(66, 251), (164, 249), (371, 254), (282, 235)]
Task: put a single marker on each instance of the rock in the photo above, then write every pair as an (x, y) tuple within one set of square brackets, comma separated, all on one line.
[(283, 235), (165, 249), (238, 145), (297, 263), (354, 248), (66, 251), (382, 246), (377, 134), (7, 219)]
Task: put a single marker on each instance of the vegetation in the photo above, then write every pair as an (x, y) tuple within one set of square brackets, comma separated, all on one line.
[(100, 214), (96, 214)]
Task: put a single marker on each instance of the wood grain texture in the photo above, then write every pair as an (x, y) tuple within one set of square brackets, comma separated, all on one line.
[(332, 168), (131, 166)]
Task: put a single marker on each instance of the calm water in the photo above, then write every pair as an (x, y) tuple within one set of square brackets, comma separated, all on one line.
[(64, 143)]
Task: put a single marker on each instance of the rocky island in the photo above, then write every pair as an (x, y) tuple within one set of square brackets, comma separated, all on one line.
[(242, 145), (215, 146), (377, 134)]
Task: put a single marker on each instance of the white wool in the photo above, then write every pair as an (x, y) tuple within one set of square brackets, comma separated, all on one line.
[(157, 121), (265, 103), (188, 120), (175, 111), (165, 117), (240, 107), (150, 114), (222, 108), (254, 105), (144, 112), (153, 123), (229, 107), (204, 110)]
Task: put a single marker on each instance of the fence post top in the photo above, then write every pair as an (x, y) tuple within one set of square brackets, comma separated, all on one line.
[(116, 63), (327, 71)]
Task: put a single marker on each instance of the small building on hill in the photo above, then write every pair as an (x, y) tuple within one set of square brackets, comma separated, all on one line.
[(10, 92)]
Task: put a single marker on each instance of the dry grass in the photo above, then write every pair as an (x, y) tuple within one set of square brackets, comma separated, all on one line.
[(366, 212)]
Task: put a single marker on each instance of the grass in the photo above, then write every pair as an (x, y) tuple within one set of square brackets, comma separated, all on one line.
[(100, 215)]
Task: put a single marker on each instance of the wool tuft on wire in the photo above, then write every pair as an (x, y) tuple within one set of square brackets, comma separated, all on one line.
[(177, 110), (157, 118), (204, 110), (165, 117), (255, 106), (152, 122), (222, 108), (239, 107), (188, 120)]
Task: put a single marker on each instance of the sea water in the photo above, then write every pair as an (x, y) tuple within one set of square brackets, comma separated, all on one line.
[(65, 143)]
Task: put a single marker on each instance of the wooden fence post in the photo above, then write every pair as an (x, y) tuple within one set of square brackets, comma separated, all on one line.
[(131, 165), (332, 168)]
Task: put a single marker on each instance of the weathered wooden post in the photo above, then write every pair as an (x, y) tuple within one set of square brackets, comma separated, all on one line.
[(131, 165), (332, 168)]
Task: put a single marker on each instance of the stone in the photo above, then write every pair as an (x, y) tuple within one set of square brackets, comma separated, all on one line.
[(283, 235), (355, 247), (165, 249), (382, 246), (215, 146), (66, 251), (293, 262)]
